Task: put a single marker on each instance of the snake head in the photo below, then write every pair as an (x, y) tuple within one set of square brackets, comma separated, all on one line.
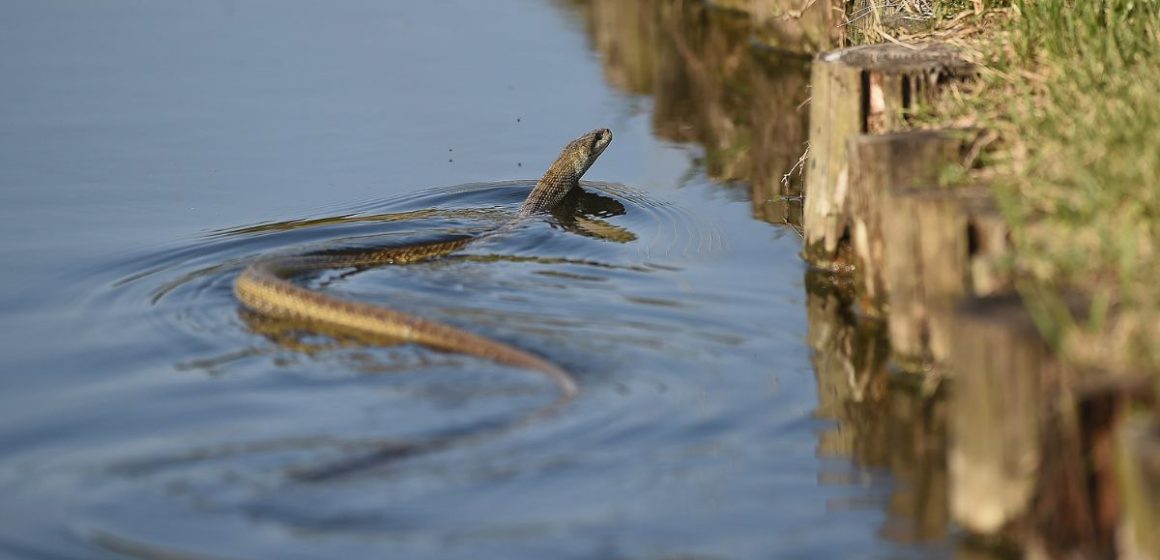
[(582, 152)]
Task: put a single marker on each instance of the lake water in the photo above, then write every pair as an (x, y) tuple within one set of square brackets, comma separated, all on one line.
[(730, 406)]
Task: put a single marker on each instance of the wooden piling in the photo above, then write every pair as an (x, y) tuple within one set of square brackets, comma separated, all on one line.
[(1077, 502), (1138, 475), (866, 89), (835, 114), (924, 271), (1000, 365), (988, 244), (1034, 442), (933, 239), (878, 164)]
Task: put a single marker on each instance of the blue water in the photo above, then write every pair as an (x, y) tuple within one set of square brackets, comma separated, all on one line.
[(148, 150)]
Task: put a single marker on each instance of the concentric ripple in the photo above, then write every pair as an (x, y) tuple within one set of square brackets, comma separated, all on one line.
[(597, 254), (191, 285), (226, 415)]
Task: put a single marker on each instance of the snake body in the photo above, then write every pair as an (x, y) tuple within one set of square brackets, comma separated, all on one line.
[(266, 286)]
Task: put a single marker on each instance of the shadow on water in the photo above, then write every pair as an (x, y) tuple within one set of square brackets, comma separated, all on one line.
[(715, 81)]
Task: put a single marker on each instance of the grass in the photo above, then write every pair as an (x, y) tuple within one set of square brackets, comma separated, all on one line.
[(1072, 87)]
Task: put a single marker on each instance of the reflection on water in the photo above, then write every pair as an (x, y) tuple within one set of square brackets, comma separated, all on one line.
[(145, 416), (744, 104), (709, 85), (883, 422)]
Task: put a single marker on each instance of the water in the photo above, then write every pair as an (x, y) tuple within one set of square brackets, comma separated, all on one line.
[(149, 150)]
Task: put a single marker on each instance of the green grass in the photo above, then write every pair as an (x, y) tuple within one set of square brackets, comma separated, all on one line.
[(1073, 89), (1085, 193)]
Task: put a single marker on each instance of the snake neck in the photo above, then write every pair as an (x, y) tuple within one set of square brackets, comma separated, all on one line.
[(564, 173), (549, 191)]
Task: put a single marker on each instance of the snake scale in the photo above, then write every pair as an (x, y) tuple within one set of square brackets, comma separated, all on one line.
[(266, 286)]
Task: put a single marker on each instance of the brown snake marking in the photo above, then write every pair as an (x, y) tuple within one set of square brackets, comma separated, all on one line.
[(266, 288)]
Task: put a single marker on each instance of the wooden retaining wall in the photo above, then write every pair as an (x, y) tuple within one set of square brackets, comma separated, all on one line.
[(859, 90), (1055, 458)]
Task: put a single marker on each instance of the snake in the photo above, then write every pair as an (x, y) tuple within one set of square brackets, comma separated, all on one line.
[(267, 285)]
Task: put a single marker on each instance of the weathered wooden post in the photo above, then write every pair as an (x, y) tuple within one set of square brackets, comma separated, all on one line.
[(1139, 481), (866, 89), (1000, 362), (988, 244), (1076, 511), (835, 114), (1044, 453), (880, 163), (931, 239)]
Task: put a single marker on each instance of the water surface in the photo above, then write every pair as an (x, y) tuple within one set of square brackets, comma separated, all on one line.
[(149, 150)]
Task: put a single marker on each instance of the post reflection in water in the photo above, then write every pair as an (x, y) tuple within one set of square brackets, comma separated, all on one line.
[(710, 85), (882, 422), (745, 104)]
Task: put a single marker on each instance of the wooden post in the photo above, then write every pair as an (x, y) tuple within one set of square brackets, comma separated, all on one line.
[(1038, 453), (988, 244), (933, 242), (1000, 362), (1078, 502), (835, 114), (866, 89), (878, 164), (925, 273), (1139, 483)]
